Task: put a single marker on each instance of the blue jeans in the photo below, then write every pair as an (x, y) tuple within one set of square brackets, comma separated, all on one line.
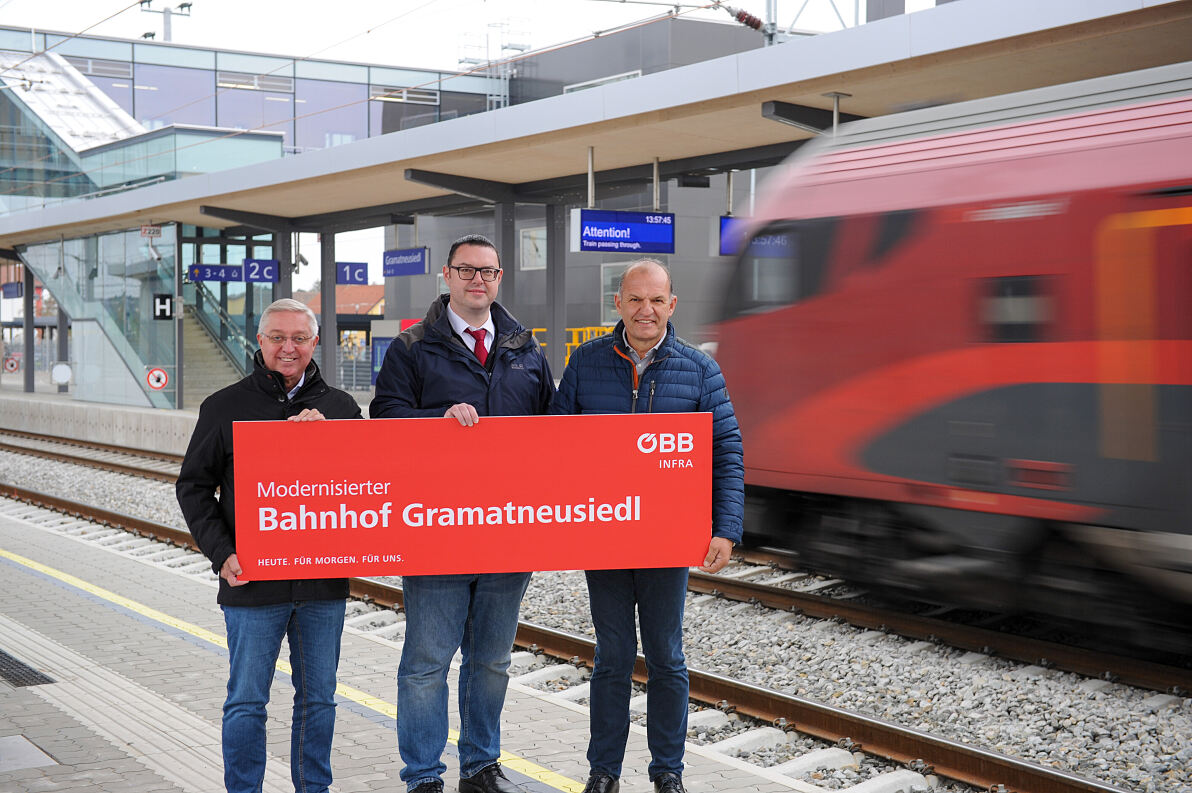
[(658, 595), (444, 613), (313, 628)]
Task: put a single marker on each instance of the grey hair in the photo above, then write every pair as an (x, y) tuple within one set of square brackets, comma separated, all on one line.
[(639, 262), (289, 304)]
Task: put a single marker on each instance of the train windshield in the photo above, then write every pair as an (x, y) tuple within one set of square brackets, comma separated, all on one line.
[(780, 265)]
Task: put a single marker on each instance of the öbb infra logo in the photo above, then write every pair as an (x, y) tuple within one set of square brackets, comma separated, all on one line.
[(665, 442)]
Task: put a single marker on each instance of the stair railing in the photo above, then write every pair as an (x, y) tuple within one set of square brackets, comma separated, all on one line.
[(222, 329)]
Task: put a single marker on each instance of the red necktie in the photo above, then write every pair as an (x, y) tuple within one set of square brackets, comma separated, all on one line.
[(481, 353)]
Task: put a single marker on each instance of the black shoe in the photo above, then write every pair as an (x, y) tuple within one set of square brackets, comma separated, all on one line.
[(602, 783), (669, 783), (491, 779), (432, 786)]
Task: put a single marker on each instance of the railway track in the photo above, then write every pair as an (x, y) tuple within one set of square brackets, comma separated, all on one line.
[(1125, 669), (107, 457), (923, 752)]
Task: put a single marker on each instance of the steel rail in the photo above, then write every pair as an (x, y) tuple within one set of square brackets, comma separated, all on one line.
[(90, 462), (107, 517), (968, 764), (945, 757), (106, 447), (1131, 671)]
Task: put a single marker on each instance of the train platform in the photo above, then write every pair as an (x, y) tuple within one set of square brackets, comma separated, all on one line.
[(113, 672), (149, 429)]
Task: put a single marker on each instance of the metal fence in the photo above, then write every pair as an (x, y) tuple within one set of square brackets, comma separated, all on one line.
[(354, 367)]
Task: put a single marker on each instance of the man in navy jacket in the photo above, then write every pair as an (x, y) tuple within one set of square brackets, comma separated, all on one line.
[(468, 358), (642, 367)]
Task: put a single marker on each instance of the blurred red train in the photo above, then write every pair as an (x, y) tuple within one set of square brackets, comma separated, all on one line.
[(959, 343)]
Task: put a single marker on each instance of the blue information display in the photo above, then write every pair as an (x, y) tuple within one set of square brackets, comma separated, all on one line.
[(13, 289), (380, 345), (763, 246), (405, 261), (622, 232), (261, 270), (731, 229), (215, 272), (351, 272)]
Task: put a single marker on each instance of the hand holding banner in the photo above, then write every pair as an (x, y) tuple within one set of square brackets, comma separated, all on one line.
[(428, 496)]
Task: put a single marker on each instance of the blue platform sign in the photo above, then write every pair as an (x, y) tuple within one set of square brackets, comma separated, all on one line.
[(351, 272), (606, 231), (261, 270), (13, 289), (772, 246), (731, 229), (763, 246), (405, 261), (215, 272), (380, 345)]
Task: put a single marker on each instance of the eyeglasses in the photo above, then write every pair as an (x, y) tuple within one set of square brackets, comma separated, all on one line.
[(299, 341), (468, 273)]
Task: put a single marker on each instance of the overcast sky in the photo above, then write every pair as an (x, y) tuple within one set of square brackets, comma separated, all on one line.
[(417, 33)]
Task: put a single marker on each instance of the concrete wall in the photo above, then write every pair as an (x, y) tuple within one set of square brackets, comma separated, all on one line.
[(140, 428)]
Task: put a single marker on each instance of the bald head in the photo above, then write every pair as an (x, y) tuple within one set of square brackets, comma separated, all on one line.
[(651, 264)]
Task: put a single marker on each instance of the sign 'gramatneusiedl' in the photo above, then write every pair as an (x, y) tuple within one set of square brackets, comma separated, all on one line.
[(328, 499)]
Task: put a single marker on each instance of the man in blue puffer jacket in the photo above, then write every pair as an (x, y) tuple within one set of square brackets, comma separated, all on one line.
[(642, 367), (468, 358)]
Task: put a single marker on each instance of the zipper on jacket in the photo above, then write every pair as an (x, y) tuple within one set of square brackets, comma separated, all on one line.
[(632, 368), (650, 408)]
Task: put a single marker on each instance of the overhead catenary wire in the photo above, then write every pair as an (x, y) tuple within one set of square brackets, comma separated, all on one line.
[(32, 55)]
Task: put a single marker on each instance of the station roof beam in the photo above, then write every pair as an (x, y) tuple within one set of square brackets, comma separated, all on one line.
[(325, 223), (486, 190), (815, 120)]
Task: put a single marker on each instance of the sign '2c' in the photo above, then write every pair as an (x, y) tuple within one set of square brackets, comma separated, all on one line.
[(261, 270)]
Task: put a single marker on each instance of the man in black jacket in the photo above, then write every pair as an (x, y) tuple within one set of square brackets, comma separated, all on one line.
[(468, 358), (284, 385)]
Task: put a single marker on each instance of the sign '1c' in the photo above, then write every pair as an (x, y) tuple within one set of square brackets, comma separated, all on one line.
[(351, 272)]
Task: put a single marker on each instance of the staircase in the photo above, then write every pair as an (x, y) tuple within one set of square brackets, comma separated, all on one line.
[(206, 368)]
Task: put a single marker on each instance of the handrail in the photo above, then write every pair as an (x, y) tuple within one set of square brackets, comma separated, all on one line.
[(211, 303)]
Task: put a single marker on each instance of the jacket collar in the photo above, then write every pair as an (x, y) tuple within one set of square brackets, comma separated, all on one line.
[(663, 350), (272, 382), (510, 332)]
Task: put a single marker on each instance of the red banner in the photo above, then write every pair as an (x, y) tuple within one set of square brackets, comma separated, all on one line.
[(426, 496)]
